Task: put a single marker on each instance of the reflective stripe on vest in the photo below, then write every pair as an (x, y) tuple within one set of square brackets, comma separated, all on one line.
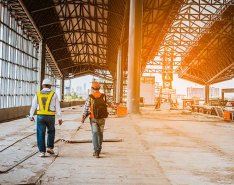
[(44, 109)]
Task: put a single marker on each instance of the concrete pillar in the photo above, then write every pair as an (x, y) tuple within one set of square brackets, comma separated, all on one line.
[(122, 74), (207, 93), (134, 51), (121, 86), (62, 89), (122, 79), (222, 96), (41, 72), (114, 90), (118, 75)]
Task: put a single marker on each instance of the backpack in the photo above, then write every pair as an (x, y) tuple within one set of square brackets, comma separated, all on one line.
[(99, 107)]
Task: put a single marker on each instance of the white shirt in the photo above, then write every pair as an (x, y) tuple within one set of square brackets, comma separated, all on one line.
[(54, 104)]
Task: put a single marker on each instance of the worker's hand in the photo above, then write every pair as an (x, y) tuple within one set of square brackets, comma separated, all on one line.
[(82, 120), (60, 122), (31, 118)]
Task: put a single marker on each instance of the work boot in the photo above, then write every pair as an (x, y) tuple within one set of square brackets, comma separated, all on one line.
[(42, 154), (50, 151), (97, 154)]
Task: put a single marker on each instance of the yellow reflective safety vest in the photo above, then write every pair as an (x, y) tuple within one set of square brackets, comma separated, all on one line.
[(44, 103)]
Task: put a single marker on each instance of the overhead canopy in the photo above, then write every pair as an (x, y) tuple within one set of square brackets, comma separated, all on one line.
[(212, 59), (80, 34), (83, 37), (200, 40)]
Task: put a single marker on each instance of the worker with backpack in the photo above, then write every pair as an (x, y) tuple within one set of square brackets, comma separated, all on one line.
[(96, 107)]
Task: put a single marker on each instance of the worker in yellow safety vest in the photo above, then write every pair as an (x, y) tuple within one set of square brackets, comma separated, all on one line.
[(47, 105)]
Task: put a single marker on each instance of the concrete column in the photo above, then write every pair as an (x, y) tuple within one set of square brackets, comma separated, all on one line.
[(122, 79), (134, 51), (222, 96), (62, 89), (207, 93), (122, 74), (41, 72), (118, 75), (121, 86), (114, 90)]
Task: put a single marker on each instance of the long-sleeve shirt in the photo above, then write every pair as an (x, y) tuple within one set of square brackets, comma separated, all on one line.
[(54, 104), (86, 109)]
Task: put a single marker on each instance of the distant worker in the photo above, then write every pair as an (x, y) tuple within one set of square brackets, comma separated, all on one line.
[(96, 107), (47, 104), (157, 103)]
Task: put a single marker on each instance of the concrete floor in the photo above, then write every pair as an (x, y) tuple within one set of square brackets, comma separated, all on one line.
[(159, 147)]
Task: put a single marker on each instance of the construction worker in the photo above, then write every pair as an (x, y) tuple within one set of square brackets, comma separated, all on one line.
[(95, 106), (157, 103), (47, 104)]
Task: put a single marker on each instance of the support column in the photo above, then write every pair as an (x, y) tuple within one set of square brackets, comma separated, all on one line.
[(118, 75), (121, 85), (207, 93), (62, 89), (124, 61), (113, 91), (222, 96), (41, 72), (134, 51)]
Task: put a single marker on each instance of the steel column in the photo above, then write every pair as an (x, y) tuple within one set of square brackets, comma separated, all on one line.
[(118, 75), (42, 48), (207, 93), (134, 52), (62, 89), (222, 96), (114, 90), (122, 76)]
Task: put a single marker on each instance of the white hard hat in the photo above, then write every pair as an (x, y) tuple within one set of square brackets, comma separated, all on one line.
[(46, 82)]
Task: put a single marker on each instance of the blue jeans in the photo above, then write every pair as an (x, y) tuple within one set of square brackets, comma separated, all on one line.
[(44, 122), (97, 126)]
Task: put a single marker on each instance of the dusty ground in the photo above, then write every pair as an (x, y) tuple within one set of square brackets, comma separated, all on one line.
[(159, 147)]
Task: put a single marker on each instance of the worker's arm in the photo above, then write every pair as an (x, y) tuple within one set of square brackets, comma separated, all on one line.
[(86, 111), (58, 109), (33, 108)]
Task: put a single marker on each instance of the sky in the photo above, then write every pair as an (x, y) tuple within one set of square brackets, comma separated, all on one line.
[(82, 80)]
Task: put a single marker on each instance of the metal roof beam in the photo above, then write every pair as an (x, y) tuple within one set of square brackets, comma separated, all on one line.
[(222, 71), (70, 18), (21, 11), (103, 34), (78, 54), (202, 51), (78, 2), (88, 64), (54, 61), (80, 43), (88, 55)]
